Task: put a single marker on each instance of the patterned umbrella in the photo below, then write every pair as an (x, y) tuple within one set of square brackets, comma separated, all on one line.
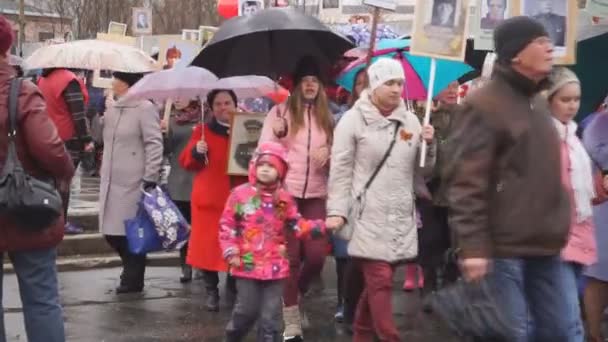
[(361, 33)]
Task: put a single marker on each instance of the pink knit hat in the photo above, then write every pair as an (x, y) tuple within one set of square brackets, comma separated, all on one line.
[(273, 153), (6, 35)]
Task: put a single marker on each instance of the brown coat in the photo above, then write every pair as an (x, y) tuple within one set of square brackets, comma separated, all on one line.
[(41, 152), (505, 194)]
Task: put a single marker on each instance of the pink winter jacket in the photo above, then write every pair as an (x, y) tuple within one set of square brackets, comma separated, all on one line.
[(581, 247), (253, 228), (305, 177)]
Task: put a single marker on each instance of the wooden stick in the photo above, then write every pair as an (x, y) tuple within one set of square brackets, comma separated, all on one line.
[(372, 43), (427, 112)]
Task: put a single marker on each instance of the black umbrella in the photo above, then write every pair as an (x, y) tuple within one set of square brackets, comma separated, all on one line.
[(270, 43)]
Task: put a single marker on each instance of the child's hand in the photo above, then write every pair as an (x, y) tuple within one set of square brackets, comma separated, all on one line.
[(234, 261)]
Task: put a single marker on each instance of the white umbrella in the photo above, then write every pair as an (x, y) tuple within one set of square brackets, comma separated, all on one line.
[(191, 82), (91, 55)]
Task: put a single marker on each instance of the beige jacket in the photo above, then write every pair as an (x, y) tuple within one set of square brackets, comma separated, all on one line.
[(383, 222)]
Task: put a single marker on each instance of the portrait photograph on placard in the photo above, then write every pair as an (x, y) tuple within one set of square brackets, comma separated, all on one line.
[(142, 21), (559, 17), (597, 8), (174, 51), (118, 29), (245, 131), (248, 8), (192, 35), (490, 13), (440, 28)]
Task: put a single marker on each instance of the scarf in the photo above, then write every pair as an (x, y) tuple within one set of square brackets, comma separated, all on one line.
[(581, 172)]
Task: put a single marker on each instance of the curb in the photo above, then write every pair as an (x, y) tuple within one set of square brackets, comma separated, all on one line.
[(81, 263)]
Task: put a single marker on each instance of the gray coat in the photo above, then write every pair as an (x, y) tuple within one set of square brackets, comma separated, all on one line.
[(132, 153), (180, 180), (384, 222)]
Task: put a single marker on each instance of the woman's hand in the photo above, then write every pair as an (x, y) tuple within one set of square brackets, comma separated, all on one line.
[(279, 127), (334, 222), (320, 156), (428, 133), (163, 126), (201, 147), (605, 183)]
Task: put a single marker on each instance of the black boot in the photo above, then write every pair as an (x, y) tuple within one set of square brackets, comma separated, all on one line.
[(212, 303), (186, 269)]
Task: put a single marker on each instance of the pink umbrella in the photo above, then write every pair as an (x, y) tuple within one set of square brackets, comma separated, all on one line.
[(191, 82)]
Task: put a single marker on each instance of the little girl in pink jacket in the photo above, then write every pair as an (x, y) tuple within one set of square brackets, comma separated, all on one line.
[(252, 238)]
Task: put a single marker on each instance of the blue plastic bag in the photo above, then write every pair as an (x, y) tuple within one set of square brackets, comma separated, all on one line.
[(142, 236), (172, 228)]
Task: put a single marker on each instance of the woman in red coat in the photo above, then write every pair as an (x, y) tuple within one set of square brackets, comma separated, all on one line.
[(207, 155)]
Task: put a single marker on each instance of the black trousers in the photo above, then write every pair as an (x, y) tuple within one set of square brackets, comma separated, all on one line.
[(212, 281), (186, 210), (434, 243), (65, 196), (354, 284), (134, 266)]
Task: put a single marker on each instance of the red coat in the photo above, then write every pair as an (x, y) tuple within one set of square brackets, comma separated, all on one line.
[(41, 153), (210, 191)]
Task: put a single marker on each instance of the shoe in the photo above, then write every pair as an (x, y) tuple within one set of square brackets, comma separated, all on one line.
[(71, 229), (339, 316), (293, 324), (212, 303), (186, 274), (123, 289)]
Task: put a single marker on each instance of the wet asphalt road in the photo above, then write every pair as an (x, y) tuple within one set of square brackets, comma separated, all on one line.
[(170, 311)]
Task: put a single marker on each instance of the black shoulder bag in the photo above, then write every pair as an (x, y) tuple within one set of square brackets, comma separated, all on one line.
[(31, 203)]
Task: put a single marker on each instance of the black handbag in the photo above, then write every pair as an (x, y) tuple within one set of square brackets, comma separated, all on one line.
[(471, 311), (33, 204)]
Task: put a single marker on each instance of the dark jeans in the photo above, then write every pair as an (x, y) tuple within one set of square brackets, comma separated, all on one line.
[(259, 300), (533, 295), (37, 277), (133, 265)]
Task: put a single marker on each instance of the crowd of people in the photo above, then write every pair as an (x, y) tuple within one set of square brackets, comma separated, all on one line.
[(508, 194)]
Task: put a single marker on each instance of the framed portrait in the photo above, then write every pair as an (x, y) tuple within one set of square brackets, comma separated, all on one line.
[(489, 14), (142, 21), (118, 29), (559, 17), (248, 8), (192, 36), (102, 79), (440, 29), (174, 51), (330, 4), (124, 40), (597, 8), (245, 131), (207, 33)]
